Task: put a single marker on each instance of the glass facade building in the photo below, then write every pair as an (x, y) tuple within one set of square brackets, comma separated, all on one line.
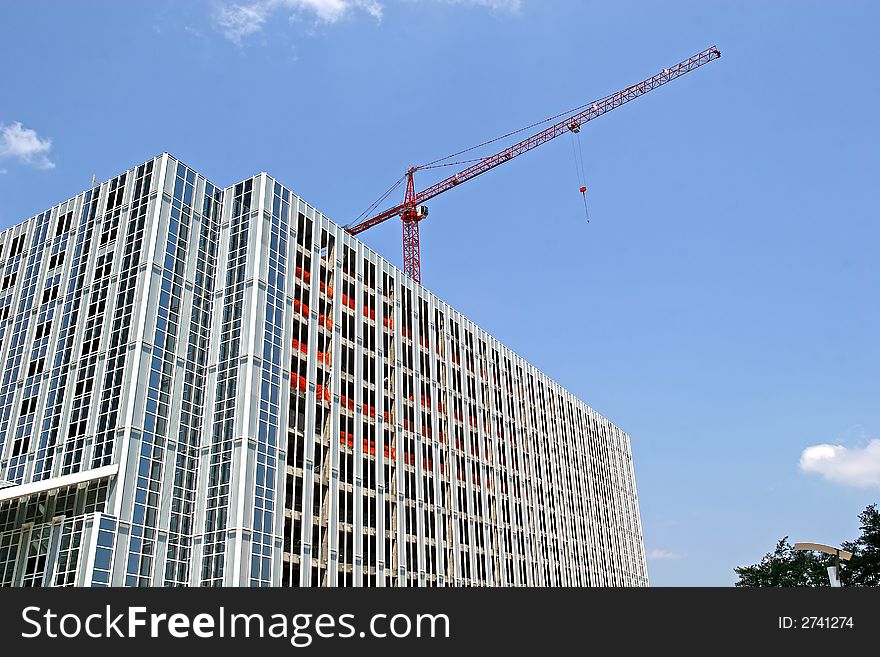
[(206, 386)]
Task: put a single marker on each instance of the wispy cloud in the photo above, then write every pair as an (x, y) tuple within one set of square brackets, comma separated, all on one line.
[(25, 145), (196, 32), (852, 466), (238, 21), (504, 5), (658, 554)]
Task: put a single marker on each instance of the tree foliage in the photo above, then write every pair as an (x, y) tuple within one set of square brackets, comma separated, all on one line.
[(786, 566), (864, 568)]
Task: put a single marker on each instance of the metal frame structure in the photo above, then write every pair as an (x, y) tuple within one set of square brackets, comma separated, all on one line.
[(211, 386)]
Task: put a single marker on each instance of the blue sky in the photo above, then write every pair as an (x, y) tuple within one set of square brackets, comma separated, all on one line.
[(721, 306)]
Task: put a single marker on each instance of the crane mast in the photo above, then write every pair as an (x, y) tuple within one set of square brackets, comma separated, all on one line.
[(411, 211)]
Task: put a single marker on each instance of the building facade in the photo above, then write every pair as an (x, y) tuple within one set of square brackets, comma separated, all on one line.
[(221, 387)]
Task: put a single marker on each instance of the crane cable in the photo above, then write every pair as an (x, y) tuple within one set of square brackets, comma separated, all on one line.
[(577, 150), (441, 162), (514, 132), (376, 203)]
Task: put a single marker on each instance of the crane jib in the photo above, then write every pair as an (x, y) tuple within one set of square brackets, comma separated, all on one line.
[(571, 123), (596, 109)]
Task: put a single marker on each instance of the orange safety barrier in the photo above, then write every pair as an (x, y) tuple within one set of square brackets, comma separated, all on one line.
[(327, 289), (409, 426), (347, 301), (301, 308), (297, 381), (389, 322), (326, 322), (304, 348), (302, 274), (369, 312), (369, 446), (322, 393)]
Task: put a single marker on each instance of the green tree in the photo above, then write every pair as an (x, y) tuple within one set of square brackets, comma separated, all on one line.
[(864, 568), (786, 566)]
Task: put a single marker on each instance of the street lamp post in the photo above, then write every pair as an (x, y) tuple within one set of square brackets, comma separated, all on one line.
[(837, 553)]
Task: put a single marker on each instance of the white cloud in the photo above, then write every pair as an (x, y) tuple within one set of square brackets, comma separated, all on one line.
[(658, 554), (853, 466), (25, 145), (504, 5), (330, 11), (238, 21)]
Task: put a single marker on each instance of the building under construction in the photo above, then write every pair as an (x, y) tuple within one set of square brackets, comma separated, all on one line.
[(208, 386)]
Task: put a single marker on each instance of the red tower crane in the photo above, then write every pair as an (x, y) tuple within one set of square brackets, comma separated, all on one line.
[(411, 211)]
